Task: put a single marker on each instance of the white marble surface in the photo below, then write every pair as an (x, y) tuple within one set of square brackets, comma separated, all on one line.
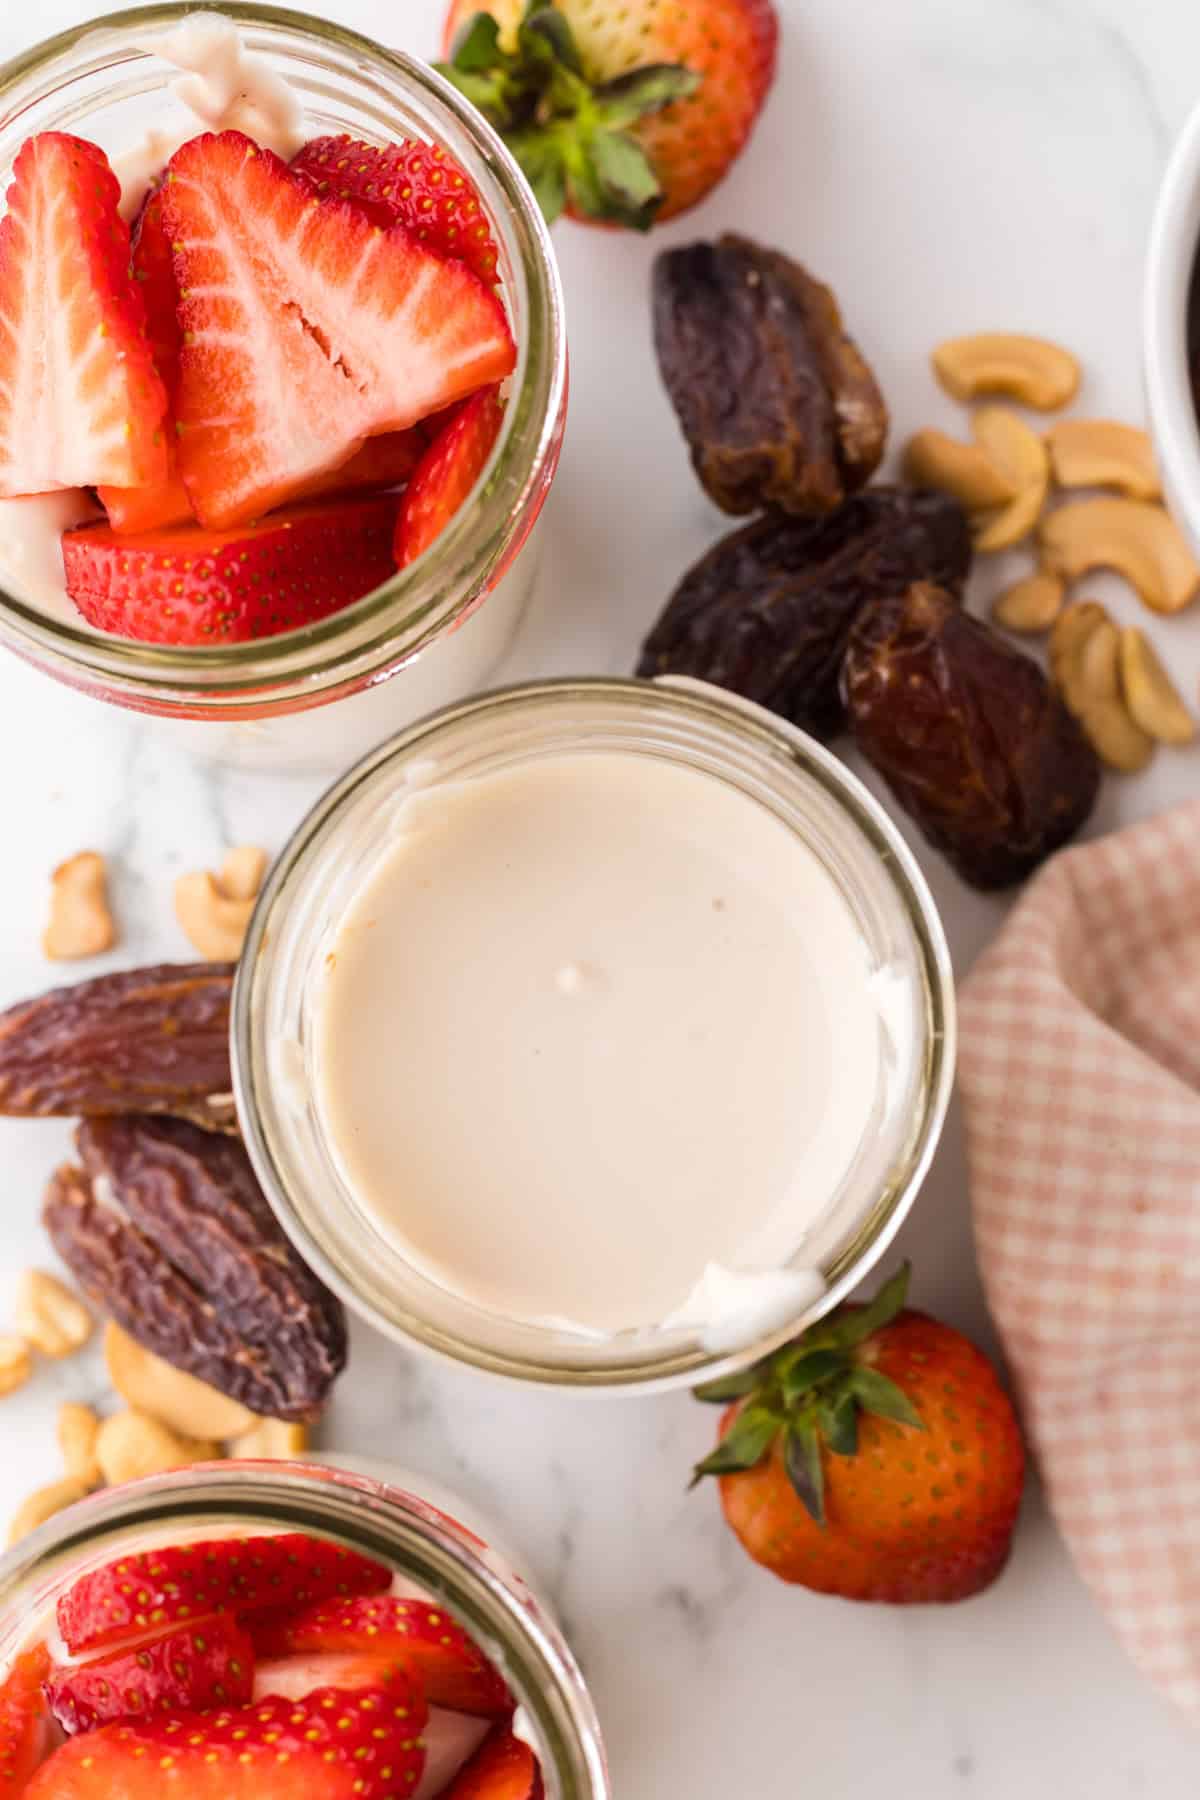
[(947, 164)]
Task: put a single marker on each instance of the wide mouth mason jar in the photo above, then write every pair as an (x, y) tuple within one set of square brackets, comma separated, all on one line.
[(288, 956), (430, 1552), (318, 696)]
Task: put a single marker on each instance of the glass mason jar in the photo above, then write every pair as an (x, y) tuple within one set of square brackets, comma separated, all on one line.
[(319, 696), (332, 854), (429, 1551)]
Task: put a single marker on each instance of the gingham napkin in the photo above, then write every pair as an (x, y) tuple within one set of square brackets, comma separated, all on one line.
[(1080, 1070)]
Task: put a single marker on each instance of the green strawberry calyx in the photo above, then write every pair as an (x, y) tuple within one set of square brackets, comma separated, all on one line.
[(812, 1392), (570, 135)]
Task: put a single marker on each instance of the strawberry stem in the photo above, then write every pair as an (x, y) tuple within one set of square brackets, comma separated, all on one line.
[(571, 137)]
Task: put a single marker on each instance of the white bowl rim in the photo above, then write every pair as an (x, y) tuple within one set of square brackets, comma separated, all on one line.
[(1171, 257)]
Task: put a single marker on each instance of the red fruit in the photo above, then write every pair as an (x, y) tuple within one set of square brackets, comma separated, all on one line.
[(24, 1720), (692, 77), (877, 1458), (446, 473), (382, 462), (197, 1668), (139, 1594), (413, 184), (307, 328), (331, 1746), (80, 400), (163, 502), (503, 1768), (421, 1637), (186, 585)]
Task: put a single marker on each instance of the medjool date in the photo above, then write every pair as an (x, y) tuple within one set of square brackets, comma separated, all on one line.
[(776, 402), (166, 1228), (146, 1040), (968, 733), (768, 611)]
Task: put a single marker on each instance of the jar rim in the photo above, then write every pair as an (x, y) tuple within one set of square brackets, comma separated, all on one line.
[(398, 621), (261, 1107), (369, 1516)]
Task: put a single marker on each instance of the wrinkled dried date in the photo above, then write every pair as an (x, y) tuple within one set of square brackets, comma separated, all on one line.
[(777, 404), (147, 1040), (768, 611), (167, 1229), (968, 734)]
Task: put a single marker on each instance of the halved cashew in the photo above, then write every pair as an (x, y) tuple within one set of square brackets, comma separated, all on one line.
[(1154, 701), (177, 1400), (1114, 735), (1068, 637), (1028, 369), (1137, 539), (49, 1316), (43, 1505), (16, 1364), (78, 1429), (1103, 453), (214, 910), (934, 460), (1016, 448), (132, 1444), (80, 922), (1031, 604), (271, 1440)]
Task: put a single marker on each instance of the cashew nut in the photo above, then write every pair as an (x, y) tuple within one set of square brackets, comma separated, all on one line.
[(78, 1428), (1154, 701), (80, 921), (1028, 369), (49, 1316), (1134, 537), (43, 1505), (934, 460), (214, 910), (271, 1440), (177, 1400), (1103, 453), (16, 1364), (1117, 739), (132, 1444), (1031, 604), (1018, 450), (1068, 637)]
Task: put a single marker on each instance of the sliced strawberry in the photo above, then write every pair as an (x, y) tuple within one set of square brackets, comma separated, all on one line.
[(503, 1768), (133, 510), (24, 1720), (162, 502), (80, 400), (411, 183), (186, 585), (423, 1638), (382, 462), (307, 328), (447, 472), (332, 1746), (139, 1594), (197, 1668)]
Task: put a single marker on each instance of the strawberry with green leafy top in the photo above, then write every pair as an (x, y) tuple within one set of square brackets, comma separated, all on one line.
[(625, 111), (877, 1457)]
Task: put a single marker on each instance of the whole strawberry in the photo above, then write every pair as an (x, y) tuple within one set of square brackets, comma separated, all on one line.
[(624, 111), (877, 1457)]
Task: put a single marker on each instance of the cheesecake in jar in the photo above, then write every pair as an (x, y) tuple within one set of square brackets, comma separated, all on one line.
[(594, 1031)]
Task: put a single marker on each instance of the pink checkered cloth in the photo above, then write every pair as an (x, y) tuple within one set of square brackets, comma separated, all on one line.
[(1080, 1071)]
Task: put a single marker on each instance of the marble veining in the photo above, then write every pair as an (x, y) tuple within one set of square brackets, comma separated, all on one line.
[(948, 164)]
